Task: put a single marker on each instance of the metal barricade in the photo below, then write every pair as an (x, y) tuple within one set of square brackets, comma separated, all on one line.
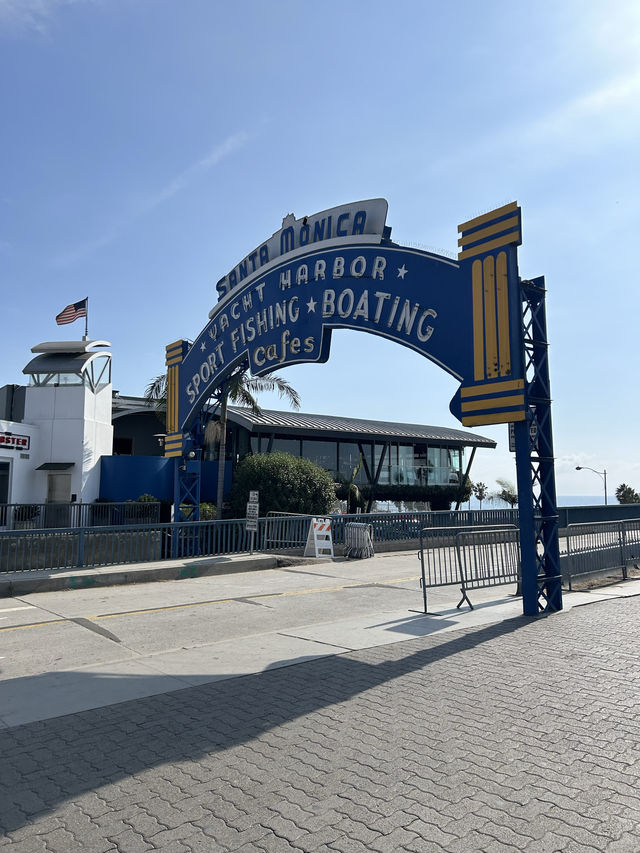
[(358, 540), (282, 531), (487, 558), (600, 548), (472, 559)]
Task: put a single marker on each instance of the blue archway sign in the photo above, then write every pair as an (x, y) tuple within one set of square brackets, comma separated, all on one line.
[(340, 270)]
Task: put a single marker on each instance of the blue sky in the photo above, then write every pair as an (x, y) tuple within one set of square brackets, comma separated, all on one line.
[(148, 145)]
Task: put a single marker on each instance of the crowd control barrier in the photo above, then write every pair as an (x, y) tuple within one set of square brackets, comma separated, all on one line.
[(471, 558), (600, 548)]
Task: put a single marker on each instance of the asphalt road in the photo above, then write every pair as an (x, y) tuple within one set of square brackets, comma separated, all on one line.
[(482, 731)]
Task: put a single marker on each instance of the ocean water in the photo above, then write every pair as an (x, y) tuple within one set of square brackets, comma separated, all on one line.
[(563, 500), (585, 500)]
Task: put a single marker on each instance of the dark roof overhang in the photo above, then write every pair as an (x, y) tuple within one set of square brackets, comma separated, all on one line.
[(355, 429), (55, 466)]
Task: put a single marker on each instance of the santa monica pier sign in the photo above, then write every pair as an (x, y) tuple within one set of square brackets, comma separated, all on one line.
[(340, 269)]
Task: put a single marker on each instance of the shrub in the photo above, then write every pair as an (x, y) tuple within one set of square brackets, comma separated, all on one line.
[(147, 499), (286, 484), (207, 511)]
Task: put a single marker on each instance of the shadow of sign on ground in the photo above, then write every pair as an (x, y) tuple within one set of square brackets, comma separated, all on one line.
[(47, 764)]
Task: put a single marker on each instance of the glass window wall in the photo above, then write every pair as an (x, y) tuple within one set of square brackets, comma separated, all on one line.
[(348, 459), (286, 445), (323, 453), (444, 465)]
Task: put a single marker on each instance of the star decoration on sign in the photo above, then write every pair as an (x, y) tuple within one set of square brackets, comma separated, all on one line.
[(402, 271), (311, 305), (203, 346)]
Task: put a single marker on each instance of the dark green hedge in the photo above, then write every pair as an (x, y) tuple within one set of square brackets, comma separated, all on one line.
[(286, 484)]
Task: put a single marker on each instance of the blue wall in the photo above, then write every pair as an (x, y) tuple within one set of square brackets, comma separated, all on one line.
[(125, 478)]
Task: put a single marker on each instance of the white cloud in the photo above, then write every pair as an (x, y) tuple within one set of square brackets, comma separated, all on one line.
[(589, 122), (31, 15), (147, 203)]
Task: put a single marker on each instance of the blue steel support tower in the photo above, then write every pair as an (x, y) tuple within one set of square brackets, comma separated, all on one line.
[(541, 576)]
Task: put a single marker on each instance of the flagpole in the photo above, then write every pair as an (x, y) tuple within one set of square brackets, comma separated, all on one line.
[(86, 322)]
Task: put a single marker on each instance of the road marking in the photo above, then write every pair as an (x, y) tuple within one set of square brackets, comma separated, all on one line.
[(205, 603), (34, 625), (9, 609)]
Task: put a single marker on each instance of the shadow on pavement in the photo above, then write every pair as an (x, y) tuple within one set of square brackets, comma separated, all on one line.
[(47, 763)]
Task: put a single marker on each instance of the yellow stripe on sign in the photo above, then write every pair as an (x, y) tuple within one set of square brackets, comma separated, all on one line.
[(502, 292), (171, 398), (488, 217), (171, 427), (492, 387), (176, 392), (171, 361), (493, 403), (497, 418), (478, 322), (505, 240), (174, 384), (490, 329), (506, 224)]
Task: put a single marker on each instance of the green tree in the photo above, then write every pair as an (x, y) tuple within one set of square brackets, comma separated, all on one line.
[(240, 388), (506, 493), (156, 394), (349, 491), (481, 492), (626, 495), (286, 484)]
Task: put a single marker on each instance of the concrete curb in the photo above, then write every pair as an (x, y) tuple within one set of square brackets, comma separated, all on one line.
[(24, 583)]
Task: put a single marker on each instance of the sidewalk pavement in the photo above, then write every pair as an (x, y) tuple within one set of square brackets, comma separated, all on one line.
[(470, 731), (44, 580)]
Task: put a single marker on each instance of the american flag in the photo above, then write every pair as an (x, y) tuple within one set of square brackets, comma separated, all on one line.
[(72, 312)]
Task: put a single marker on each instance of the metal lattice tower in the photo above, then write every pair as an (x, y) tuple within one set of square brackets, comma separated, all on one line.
[(541, 576)]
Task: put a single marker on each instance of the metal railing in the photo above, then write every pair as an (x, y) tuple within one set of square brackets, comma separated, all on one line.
[(471, 559), (38, 516), (283, 531), (88, 547), (600, 548), (289, 531)]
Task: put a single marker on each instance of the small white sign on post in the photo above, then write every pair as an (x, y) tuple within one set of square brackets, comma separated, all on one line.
[(251, 524), (252, 516)]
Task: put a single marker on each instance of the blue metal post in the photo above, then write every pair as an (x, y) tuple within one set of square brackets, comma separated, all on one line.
[(527, 522), (541, 576)]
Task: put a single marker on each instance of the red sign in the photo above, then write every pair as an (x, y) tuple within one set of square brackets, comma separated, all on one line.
[(14, 442)]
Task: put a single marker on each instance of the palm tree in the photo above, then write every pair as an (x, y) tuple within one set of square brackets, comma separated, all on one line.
[(239, 388), (156, 393), (508, 493)]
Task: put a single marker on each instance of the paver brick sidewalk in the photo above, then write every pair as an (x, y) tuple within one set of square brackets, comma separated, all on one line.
[(523, 735)]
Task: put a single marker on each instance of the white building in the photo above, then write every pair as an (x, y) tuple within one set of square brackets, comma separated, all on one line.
[(54, 431)]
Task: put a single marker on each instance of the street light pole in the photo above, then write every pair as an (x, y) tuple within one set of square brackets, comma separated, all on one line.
[(602, 474)]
